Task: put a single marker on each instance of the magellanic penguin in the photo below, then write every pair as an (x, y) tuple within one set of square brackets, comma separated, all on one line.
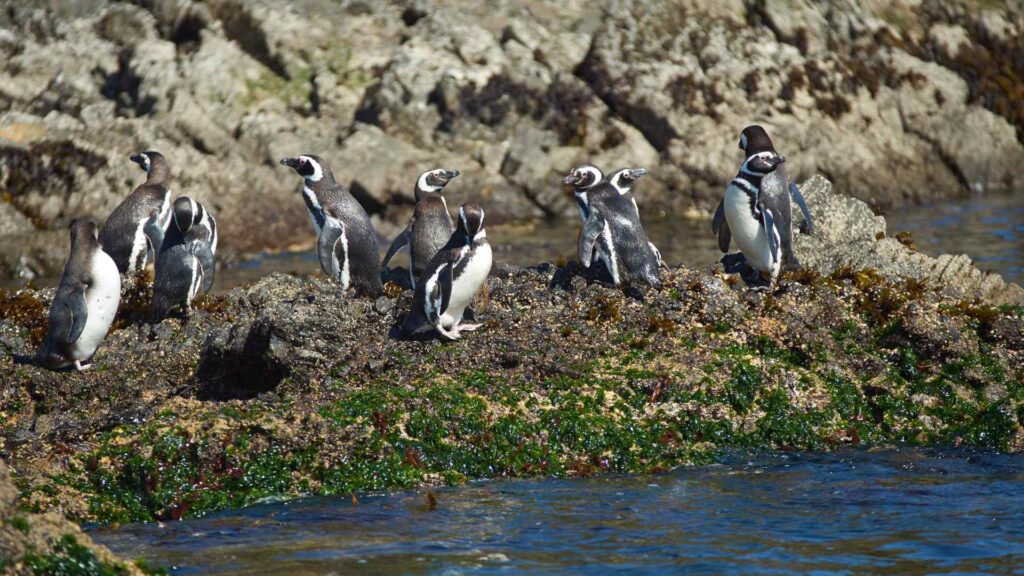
[(185, 265), (431, 225), (612, 233), (583, 177), (452, 279), (756, 210), (347, 244), (85, 304), (623, 180), (137, 225)]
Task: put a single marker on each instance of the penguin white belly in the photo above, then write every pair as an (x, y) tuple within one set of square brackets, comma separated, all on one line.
[(101, 300), (466, 286), (747, 231)]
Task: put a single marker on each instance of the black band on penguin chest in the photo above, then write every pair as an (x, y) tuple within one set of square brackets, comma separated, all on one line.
[(314, 210)]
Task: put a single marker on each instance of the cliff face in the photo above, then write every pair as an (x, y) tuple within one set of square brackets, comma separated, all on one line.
[(893, 101), (284, 388)]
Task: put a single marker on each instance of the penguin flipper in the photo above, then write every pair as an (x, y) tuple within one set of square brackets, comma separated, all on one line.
[(440, 294), (445, 282), (204, 253), (155, 234), (588, 238), (401, 241), (720, 227), (67, 318), (332, 260), (798, 197)]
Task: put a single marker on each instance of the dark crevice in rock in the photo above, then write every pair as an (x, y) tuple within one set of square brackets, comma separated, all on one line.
[(123, 87), (243, 28), (655, 129), (412, 15), (238, 363)]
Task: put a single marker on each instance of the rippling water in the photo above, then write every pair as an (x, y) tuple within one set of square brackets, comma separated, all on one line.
[(894, 511)]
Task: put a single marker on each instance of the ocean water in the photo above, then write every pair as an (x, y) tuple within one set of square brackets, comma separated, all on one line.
[(895, 511)]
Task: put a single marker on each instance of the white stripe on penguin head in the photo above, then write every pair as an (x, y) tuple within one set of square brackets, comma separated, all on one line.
[(318, 172), (422, 182)]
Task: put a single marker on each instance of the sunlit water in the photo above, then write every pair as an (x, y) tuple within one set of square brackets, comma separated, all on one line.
[(890, 511)]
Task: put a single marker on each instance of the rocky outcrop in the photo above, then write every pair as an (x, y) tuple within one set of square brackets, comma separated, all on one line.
[(893, 101), (41, 544), (283, 387)]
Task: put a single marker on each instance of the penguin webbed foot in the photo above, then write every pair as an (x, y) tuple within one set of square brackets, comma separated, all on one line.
[(450, 335), (468, 327), (81, 366)]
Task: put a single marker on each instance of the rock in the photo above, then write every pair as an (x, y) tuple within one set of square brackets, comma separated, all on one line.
[(510, 95), (848, 234), (33, 543)]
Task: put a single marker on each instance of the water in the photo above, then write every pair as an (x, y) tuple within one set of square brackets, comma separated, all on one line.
[(988, 228), (893, 511)]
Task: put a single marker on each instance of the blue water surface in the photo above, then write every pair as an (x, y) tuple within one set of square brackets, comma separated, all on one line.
[(895, 511)]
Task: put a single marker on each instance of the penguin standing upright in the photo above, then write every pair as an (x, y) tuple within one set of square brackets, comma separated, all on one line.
[(623, 180), (431, 224), (452, 279), (347, 244), (137, 225), (756, 209), (185, 264), (85, 304), (612, 233), (583, 177)]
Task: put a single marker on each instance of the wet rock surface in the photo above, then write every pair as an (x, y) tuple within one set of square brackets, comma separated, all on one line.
[(285, 388), (38, 544), (894, 101)]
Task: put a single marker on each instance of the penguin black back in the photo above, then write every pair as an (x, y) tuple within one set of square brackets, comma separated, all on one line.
[(137, 224), (346, 243)]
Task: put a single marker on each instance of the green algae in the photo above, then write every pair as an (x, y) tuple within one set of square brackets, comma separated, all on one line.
[(70, 558)]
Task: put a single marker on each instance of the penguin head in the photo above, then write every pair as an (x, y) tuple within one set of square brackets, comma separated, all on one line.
[(434, 180), (624, 179), (82, 229), (186, 212), (151, 162), (584, 176), (309, 166), (471, 220), (754, 140)]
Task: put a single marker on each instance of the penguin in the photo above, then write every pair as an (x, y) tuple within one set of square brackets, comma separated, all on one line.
[(347, 243), (583, 177), (431, 225), (612, 233), (623, 180), (452, 279), (85, 304), (756, 209), (185, 264), (137, 225)]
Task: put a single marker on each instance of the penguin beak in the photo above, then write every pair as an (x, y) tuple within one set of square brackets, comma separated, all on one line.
[(570, 179), (449, 174), (137, 158), (290, 162), (638, 172)]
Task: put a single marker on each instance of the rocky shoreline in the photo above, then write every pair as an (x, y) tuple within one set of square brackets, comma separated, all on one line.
[(510, 93), (282, 388)]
